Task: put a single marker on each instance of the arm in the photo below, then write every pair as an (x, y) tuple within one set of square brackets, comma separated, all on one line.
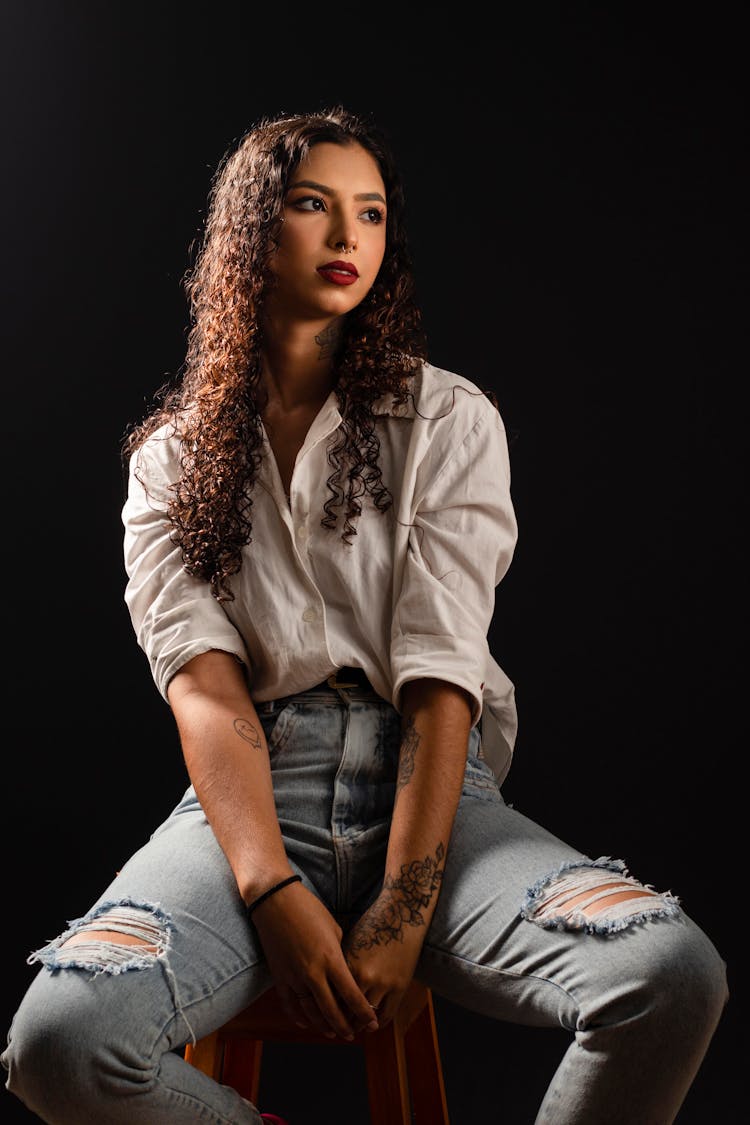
[(384, 946), (227, 759), (196, 657), (461, 535), (226, 756)]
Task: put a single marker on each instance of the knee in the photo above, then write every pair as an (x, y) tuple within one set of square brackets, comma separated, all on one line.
[(45, 1046), (685, 973), (658, 963), (665, 975)]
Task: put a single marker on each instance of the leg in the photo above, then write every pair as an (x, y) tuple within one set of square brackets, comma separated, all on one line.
[(530, 931), (165, 956)]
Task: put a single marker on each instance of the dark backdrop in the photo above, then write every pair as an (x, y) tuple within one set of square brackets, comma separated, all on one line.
[(575, 187)]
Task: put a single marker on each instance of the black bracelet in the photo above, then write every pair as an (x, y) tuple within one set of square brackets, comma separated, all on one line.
[(271, 891)]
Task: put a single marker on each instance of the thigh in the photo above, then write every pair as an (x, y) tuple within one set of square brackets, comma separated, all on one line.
[(504, 939), (197, 960), (177, 893), (478, 952)]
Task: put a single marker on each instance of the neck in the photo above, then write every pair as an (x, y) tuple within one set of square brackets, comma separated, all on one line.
[(298, 361)]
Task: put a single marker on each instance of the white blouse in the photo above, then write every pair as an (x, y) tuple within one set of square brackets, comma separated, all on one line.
[(412, 596)]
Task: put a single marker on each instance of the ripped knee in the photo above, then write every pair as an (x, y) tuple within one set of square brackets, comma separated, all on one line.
[(595, 896), (112, 938)]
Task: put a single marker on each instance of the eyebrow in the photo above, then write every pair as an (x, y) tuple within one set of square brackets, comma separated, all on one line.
[(365, 196)]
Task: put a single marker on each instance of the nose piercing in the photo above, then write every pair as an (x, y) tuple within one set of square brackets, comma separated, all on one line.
[(344, 248)]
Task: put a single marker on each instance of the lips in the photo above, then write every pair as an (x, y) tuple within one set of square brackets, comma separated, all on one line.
[(339, 273)]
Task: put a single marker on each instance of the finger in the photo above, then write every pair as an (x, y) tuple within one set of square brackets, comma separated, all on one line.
[(363, 1014), (290, 1002), (313, 1015), (333, 1012), (369, 1017), (389, 1007), (304, 1003)]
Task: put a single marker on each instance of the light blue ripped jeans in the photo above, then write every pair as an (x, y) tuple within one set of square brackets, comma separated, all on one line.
[(518, 934)]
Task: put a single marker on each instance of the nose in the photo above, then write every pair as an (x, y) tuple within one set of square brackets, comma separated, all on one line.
[(343, 239)]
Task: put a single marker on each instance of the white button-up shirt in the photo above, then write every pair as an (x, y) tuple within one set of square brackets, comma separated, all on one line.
[(411, 597)]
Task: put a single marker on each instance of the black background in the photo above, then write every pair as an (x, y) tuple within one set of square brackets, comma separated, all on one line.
[(575, 184)]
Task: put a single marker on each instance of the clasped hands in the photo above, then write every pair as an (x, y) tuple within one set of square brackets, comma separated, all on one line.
[(339, 988)]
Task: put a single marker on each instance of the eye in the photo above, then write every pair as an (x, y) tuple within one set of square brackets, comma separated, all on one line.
[(374, 215), (309, 203)]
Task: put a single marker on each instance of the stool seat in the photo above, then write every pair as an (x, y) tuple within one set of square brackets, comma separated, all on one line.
[(404, 1070)]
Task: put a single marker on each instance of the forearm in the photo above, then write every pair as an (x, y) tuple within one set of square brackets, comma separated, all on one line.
[(436, 719), (226, 755)]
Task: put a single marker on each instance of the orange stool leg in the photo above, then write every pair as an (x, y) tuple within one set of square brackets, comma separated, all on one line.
[(241, 1066), (425, 1068), (205, 1055), (404, 1071), (234, 1061), (387, 1079)]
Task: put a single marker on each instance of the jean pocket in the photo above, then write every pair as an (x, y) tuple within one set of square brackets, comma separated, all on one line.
[(479, 779), (279, 725)]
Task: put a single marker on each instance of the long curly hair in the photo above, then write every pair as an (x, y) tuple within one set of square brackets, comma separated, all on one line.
[(214, 405)]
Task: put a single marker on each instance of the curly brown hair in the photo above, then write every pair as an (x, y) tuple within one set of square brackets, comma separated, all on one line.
[(214, 405)]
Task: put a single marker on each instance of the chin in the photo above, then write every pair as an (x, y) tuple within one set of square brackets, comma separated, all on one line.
[(339, 304)]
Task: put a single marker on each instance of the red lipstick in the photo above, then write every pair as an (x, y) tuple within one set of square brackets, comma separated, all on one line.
[(340, 273)]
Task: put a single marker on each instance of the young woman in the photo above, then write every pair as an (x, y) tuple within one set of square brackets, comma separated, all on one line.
[(316, 522)]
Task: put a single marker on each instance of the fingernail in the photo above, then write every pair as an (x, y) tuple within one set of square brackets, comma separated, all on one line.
[(373, 1025)]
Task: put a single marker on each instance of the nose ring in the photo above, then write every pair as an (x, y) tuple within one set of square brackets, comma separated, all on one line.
[(344, 248)]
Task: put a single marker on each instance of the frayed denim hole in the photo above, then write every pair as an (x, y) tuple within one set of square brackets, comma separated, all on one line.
[(145, 922), (594, 897)]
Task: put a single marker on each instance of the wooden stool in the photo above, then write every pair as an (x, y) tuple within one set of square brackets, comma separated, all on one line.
[(404, 1070)]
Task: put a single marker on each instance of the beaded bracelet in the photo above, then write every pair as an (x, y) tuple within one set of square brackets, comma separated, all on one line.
[(271, 891)]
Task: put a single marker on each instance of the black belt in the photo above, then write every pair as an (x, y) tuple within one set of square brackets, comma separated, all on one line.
[(344, 678)]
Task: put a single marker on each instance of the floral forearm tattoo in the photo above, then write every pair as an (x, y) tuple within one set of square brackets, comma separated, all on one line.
[(409, 744), (400, 903), (247, 730)]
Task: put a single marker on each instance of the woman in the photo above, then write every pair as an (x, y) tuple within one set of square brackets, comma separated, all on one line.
[(316, 522)]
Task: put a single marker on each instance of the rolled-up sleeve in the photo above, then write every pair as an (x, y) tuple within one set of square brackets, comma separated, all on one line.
[(460, 544), (173, 614)]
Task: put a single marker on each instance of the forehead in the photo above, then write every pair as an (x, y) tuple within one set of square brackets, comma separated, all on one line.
[(348, 169)]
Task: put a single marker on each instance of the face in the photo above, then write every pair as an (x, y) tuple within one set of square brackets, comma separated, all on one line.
[(332, 239)]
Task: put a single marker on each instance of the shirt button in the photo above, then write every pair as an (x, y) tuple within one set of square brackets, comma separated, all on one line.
[(310, 614), (302, 533)]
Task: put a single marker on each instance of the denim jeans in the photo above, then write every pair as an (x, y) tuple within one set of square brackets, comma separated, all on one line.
[(639, 986)]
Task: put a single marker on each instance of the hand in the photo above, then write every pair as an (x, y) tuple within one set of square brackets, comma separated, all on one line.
[(302, 943), (382, 951)]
